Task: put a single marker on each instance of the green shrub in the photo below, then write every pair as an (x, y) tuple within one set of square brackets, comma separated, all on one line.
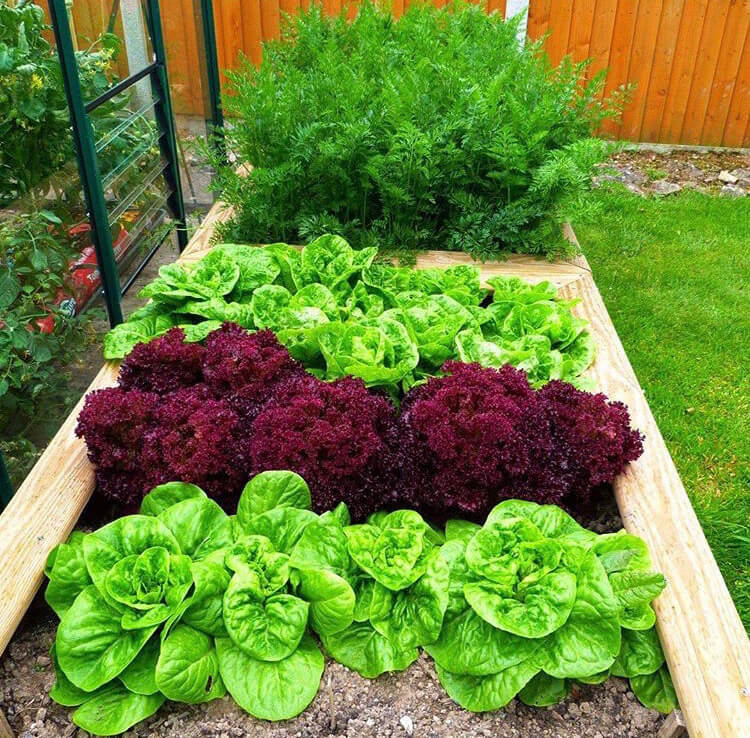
[(436, 131)]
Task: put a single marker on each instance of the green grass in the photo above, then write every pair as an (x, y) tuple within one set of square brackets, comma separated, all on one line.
[(675, 275)]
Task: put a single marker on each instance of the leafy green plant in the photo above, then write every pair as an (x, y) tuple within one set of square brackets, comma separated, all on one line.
[(436, 131), (183, 602), (32, 97), (538, 602), (43, 232), (39, 337), (340, 313)]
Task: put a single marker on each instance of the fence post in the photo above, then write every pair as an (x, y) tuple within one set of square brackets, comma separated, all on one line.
[(83, 138), (212, 81), (513, 8)]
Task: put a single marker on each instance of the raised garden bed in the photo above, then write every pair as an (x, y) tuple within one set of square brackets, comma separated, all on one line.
[(705, 644)]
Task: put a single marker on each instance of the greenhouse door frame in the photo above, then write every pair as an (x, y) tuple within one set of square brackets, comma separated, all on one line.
[(85, 145)]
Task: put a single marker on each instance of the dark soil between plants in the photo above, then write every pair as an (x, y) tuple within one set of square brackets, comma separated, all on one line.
[(347, 705)]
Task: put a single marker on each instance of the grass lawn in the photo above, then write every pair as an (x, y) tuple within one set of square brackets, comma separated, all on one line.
[(675, 275)]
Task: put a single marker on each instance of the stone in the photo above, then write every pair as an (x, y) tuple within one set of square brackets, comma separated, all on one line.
[(407, 724), (690, 170), (732, 190), (727, 177), (635, 189), (662, 188), (600, 179), (740, 173)]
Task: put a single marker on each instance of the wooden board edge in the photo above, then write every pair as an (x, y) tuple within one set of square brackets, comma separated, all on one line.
[(705, 643), (47, 505), (530, 268)]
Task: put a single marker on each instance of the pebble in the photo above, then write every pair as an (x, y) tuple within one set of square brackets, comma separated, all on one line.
[(407, 724), (725, 176), (662, 188), (732, 190)]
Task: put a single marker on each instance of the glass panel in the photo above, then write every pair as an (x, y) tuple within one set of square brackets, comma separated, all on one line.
[(117, 30), (49, 347), (133, 177), (50, 343), (186, 65)]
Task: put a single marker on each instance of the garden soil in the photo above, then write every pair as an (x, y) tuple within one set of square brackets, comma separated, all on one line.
[(411, 703)]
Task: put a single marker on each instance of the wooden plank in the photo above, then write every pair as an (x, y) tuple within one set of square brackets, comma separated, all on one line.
[(581, 27), (561, 14), (703, 74), (270, 19), (538, 22), (661, 72), (174, 26), (601, 36), (560, 273), (191, 80), (623, 32), (640, 65), (727, 70), (48, 504), (252, 30), (231, 16), (688, 39), (736, 130)]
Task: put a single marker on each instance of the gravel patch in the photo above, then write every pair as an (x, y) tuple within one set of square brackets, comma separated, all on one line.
[(660, 174)]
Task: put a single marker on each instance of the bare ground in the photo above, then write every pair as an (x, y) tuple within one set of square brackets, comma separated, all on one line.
[(347, 705)]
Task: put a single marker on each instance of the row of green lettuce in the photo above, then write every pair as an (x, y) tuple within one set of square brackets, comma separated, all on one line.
[(183, 602), (341, 313)]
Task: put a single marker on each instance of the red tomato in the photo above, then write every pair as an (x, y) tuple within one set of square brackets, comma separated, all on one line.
[(46, 324)]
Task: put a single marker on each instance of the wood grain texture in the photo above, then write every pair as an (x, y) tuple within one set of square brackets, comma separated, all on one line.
[(737, 127), (534, 270), (47, 505), (726, 73), (708, 54)]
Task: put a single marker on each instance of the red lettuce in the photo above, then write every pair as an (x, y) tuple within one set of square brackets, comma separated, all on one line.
[(182, 412), (338, 436), (198, 439), (162, 365), (244, 368), (478, 436), (215, 414)]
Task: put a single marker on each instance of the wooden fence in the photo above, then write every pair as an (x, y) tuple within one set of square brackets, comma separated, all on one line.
[(688, 59)]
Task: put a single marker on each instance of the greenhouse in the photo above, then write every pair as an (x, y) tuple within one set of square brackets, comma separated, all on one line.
[(374, 368)]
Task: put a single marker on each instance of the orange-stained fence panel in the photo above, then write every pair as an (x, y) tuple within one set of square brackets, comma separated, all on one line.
[(689, 62)]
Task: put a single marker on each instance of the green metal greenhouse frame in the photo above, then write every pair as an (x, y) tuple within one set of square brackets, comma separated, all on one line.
[(85, 145)]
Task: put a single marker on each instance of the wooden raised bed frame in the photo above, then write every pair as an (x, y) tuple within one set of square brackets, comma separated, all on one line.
[(706, 646)]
